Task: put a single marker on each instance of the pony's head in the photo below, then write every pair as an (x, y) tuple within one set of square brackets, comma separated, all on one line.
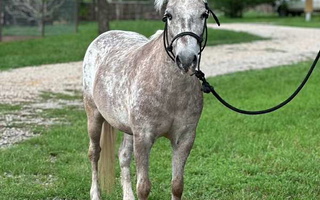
[(185, 24)]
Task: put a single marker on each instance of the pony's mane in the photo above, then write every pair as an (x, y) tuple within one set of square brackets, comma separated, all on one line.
[(156, 35), (158, 4)]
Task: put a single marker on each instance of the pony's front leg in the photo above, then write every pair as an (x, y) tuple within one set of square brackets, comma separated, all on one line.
[(181, 145), (125, 153), (142, 146)]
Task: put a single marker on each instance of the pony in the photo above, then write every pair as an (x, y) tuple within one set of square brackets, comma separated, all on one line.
[(146, 90)]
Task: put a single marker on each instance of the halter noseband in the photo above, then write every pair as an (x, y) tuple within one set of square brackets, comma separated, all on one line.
[(168, 45)]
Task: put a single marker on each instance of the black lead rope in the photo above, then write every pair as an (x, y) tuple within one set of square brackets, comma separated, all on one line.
[(207, 88)]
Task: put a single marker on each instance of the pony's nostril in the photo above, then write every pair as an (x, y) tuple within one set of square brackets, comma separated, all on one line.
[(186, 60), (178, 61)]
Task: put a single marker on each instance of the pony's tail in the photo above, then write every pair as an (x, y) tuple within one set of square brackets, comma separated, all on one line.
[(107, 158)]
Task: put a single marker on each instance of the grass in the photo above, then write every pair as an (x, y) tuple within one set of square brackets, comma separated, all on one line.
[(34, 30), (274, 156), (62, 96), (72, 47), (274, 19), (8, 108)]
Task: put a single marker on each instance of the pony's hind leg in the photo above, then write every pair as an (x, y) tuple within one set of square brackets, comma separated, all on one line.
[(125, 154), (95, 121)]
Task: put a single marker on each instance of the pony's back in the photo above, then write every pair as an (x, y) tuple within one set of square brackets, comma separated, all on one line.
[(111, 45)]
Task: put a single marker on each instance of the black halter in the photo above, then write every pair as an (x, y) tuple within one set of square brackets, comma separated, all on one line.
[(201, 42)]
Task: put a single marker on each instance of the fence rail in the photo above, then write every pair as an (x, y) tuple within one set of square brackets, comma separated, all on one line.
[(133, 10), (36, 18), (121, 10)]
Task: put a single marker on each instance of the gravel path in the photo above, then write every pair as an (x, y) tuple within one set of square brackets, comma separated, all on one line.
[(286, 45), (25, 84)]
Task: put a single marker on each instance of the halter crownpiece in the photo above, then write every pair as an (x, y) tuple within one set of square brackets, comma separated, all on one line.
[(212, 13)]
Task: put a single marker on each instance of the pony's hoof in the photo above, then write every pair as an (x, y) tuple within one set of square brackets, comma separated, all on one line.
[(95, 196)]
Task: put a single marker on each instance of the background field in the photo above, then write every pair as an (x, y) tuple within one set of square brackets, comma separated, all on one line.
[(72, 47)]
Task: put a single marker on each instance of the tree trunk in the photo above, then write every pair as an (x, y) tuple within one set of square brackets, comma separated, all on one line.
[(76, 16), (235, 9), (1, 20), (103, 17), (94, 10), (42, 23)]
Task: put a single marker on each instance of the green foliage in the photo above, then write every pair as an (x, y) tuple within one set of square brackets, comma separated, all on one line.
[(235, 8), (51, 49)]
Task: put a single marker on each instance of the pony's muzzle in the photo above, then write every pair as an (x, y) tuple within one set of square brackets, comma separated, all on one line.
[(187, 61)]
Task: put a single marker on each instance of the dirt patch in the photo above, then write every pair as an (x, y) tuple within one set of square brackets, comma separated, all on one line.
[(18, 125)]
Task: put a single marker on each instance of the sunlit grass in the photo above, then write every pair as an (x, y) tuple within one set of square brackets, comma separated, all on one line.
[(298, 21)]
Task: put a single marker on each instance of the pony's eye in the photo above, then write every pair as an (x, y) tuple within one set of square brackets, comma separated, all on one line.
[(167, 16), (205, 15)]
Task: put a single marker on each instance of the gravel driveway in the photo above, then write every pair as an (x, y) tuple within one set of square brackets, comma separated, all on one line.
[(286, 45)]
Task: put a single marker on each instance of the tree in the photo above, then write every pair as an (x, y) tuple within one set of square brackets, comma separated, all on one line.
[(235, 8), (103, 16), (1, 18), (34, 10)]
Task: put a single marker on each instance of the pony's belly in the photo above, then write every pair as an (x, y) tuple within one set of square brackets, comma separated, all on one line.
[(119, 122), (115, 113), (112, 105)]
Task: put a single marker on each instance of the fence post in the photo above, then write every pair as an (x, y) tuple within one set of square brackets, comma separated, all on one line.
[(76, 17), (308, 9), (1, 19)]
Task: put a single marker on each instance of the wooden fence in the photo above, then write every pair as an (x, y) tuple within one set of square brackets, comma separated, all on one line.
[(121, 10), (133, 10)]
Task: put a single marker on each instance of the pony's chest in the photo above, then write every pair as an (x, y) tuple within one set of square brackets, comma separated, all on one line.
[(165, 97)]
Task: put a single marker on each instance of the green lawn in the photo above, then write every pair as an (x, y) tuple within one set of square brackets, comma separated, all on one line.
[(274, 156), (274, 19), (72, 47)]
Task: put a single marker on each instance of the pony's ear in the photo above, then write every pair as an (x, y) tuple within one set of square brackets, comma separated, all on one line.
[(158, 4)]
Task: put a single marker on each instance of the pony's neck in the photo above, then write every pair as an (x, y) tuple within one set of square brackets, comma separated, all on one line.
[(164, 62)]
